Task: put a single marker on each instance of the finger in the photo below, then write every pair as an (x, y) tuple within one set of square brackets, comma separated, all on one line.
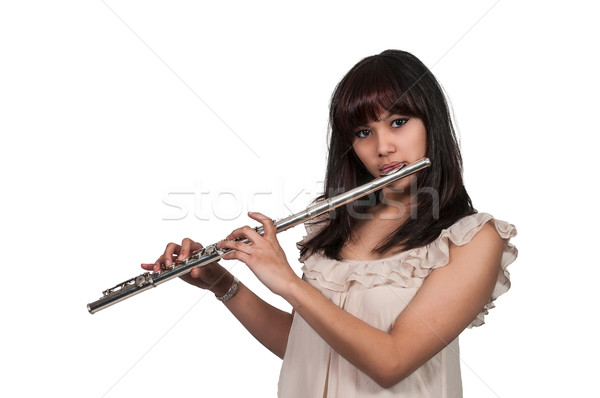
[(235, 245), (172, 248), (245, 232), (268, 225), (195, 246), (236, 234), (155, 266), (186, 246), (195, 273), (237, 255), (205, 272), (158, 263)]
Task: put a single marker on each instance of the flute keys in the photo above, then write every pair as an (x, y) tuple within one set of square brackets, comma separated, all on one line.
[(211, 249), (141, 279)]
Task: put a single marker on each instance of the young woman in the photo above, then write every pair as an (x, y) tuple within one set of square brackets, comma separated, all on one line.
[(389, 282)]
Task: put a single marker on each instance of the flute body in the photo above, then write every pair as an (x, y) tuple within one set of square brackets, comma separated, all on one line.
[(214, 253)]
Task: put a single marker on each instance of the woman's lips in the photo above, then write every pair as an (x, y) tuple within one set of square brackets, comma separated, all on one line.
[(386, 168)]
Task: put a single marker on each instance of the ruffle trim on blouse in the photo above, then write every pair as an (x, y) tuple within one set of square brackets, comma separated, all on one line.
[(402, 268)]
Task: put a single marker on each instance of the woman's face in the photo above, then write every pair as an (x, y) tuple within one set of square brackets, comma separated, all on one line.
[(383, 144)]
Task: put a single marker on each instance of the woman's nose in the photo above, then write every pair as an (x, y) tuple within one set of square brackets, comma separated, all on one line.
[(385, 144)]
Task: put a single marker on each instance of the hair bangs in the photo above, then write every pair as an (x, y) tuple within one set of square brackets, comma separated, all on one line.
[(369, 92)]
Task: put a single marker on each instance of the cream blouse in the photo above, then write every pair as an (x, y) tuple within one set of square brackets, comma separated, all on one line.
[(377, 292)]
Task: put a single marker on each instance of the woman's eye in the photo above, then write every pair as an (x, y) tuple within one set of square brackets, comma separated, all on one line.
[(399, 122), (363, 133)]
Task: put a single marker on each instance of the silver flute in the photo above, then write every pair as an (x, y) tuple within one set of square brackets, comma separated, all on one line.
[(214, 253)]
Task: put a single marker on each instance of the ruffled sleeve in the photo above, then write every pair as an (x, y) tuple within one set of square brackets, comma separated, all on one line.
[(411, 267), (460, 234)]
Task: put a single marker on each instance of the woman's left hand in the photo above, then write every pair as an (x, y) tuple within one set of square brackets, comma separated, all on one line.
[(263, 255)]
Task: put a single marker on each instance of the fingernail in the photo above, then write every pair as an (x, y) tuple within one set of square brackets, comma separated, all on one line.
[(167, 262)]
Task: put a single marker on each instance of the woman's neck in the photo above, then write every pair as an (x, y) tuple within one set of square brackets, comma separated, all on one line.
[(393, 206)]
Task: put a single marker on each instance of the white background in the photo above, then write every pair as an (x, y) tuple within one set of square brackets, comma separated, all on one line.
[(108, 107)]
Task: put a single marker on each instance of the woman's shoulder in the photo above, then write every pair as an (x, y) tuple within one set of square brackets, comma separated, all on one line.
[(484, 249), (478, 235)]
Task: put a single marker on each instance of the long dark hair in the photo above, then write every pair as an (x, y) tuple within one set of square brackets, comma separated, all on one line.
[(397, 82)]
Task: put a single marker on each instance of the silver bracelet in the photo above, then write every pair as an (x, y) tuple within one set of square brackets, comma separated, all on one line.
[(231, 292)]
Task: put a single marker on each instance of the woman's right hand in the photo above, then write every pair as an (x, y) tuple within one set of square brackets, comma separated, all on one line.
[(211, 276)]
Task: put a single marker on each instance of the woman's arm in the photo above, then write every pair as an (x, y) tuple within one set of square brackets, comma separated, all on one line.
[(450, 298), (269, 325)]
